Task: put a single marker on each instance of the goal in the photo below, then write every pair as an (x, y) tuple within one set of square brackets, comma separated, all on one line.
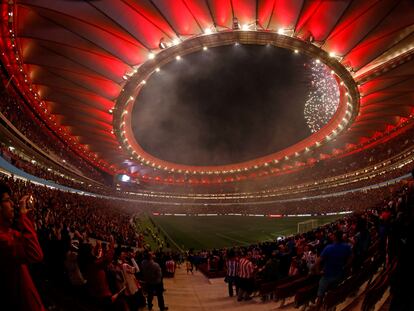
[(307, 225)]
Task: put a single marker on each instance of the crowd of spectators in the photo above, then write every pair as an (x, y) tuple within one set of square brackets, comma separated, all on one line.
[(102, 274), (40, 170), (36, 131), (78, 235), (351, 201), (361, 180), (34, 168), (343, 164), (330, 252), (21, 117), (314, 206), (332, 175), (77, 215)]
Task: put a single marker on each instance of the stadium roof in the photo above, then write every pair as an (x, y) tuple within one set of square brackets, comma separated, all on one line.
[(74, 60)]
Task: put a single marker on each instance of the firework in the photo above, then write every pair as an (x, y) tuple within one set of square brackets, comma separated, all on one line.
[(323, 99)]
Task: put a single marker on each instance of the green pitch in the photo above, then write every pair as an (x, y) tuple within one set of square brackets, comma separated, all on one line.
[(206, 232)]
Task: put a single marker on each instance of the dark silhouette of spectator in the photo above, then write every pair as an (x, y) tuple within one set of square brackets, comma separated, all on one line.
[(362, 241), (153, 277), (402, 298), (334, 258), (232, 267), (246, 277), (17, 249)]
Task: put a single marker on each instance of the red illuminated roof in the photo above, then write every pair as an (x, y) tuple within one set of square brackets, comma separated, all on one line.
[(72, 59)]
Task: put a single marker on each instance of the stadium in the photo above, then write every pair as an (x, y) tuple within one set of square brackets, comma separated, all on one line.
[(216, 154)]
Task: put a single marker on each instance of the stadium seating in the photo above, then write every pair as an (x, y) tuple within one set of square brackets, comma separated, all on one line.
[(289, 289), (377, 288)]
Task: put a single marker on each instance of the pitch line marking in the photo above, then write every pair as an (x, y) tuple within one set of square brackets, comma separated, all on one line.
[(231, 239)]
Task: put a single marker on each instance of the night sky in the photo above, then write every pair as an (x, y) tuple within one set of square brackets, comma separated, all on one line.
[(225, 105)]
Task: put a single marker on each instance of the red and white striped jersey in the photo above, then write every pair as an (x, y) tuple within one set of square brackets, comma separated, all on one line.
[(246, 268)]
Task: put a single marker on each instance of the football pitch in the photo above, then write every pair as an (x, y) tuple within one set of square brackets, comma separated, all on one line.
[(207, 232)]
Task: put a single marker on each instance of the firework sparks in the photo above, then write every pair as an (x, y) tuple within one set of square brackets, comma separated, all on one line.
[(323, 98)]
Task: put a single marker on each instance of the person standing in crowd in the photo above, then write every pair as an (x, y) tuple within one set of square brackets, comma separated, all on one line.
[(362, 241), (189, 263), (245, 277), (232, 265), (17, 249), (334, 258), (309, 258), (72, 268), (133, 292), (96, 264), (402, 298), (153, 277), (170, 266), (271, 271)]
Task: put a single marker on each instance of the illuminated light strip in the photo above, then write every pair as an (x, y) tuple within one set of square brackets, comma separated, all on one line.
[(251, 215), (383, 184), (275, 215), (405, 162), (299, 215)]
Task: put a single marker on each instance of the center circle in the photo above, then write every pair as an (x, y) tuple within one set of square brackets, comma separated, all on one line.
[(224, 105)]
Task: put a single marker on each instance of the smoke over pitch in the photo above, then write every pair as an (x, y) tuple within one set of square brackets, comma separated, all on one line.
[(224, 105)]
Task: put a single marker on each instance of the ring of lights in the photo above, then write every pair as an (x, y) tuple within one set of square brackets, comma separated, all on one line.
[(347, 110)]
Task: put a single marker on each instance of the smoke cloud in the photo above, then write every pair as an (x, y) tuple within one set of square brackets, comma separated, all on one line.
[(224, 105)]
